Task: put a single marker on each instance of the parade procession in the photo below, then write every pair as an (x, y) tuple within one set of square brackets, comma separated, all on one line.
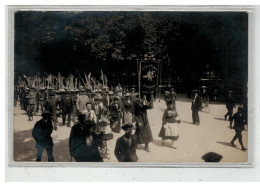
[(96, 114), (120, 87)]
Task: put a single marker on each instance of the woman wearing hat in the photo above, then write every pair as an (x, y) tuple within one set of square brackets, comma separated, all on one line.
[(127, 109), (170, 121), (115, 113), (143, 130)]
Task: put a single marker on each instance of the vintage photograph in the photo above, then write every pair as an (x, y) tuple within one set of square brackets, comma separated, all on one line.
[(165, 87)]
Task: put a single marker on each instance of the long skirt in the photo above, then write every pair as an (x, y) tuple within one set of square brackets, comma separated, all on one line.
[(169, 131), (128, 117)]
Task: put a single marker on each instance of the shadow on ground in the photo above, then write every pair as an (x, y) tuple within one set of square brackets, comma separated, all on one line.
[(24, 148), (227, 144), (222, 119), (188, 122)]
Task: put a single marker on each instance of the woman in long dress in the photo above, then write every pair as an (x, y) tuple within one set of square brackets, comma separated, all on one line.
[(169, 129), (127, 109), (143, 130), (115, 115)]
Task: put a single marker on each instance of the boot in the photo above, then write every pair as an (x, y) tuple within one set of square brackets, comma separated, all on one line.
[(146, 148)]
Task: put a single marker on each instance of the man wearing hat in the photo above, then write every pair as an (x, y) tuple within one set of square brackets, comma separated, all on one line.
[(239, 124), (195, 106), (133, 95), (97, 107), (74, 105), (230, 103), (42, 134), (83, 142), (51, 105), (32, 103), (66, 107), (82, 99), (40, 99), (125, 149)]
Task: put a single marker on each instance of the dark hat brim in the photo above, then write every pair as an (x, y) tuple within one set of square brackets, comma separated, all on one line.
[(127, 125)]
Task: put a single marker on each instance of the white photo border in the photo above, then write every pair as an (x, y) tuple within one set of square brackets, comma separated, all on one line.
[(251, 81)]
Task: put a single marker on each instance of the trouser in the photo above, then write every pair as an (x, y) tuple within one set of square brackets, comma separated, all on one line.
[(74, 113), (229, 113), (30, 110), (39, 105), (40, 149), (239, 136), (54, 118), (64, 115), (195, 116)]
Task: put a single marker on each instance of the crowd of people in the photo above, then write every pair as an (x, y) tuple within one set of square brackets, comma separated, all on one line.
[(99, 112)]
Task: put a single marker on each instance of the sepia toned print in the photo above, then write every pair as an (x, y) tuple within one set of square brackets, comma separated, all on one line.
[(130, 86)]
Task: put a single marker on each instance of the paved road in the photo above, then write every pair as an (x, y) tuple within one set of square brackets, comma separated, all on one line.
[(213, 134)]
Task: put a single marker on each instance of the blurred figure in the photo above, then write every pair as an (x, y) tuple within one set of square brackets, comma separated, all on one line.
[(89, 113), (97, 107), (230, 103), (125, 149), (42, 134), (66, 107), (143, 131), (83, 141), (239, 124), (169, 129), (32, 102), (173, 97), (51, 105), (115, 113), (127, 109), (195, 106)]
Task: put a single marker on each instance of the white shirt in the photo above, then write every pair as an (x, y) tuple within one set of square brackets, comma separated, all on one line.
[(90, 115)]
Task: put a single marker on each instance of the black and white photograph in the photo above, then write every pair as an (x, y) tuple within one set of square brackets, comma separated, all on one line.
[(168, 87)]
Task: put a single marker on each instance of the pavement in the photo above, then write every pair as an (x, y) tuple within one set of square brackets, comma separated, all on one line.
[(212, 135)]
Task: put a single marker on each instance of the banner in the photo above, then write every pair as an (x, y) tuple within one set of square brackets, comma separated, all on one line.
[(148, 78)]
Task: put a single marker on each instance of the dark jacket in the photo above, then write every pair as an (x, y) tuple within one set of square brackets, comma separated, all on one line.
[(66, 103), (196, 102), (51, 105), (128, 107), (78, 146), (106, 101), (123, 152), (239, 121), (115, 112), (97, 111), (42, 133), (143, 133), (230, 102)]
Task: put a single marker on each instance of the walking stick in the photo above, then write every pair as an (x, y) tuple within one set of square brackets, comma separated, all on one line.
[(70, 158)]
